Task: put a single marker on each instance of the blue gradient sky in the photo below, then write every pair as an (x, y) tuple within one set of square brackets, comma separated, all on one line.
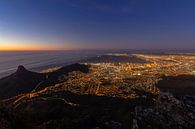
[(97, 24)]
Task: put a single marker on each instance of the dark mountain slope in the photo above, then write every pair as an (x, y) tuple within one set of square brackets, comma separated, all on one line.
[(23, 81), (19, 82), (178, 85), (56, 76), (73, 111)]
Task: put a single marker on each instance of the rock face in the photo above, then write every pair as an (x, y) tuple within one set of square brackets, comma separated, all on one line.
[(168, 113), (19, 82), (4, 124)]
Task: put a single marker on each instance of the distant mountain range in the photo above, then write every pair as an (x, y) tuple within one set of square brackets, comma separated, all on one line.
[(113, 58)]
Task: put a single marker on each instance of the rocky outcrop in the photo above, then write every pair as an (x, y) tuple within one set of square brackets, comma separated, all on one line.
[(168, 113), (19, 82)]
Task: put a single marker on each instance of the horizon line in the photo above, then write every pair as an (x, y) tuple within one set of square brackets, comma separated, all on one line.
[(99, 49)]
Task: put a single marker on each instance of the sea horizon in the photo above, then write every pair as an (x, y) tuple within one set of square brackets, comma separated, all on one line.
[(44, 59), (38, 60)]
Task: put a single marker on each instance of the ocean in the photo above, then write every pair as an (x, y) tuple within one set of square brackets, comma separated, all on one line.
[(40, 60)]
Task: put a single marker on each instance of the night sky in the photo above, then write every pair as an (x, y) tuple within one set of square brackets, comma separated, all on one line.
[(97, 24)]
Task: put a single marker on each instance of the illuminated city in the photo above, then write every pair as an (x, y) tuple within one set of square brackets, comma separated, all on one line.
[(97, 64)]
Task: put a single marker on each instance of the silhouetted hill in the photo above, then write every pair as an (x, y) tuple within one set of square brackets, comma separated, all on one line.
[(66, 110), (55, 76), (178, 85), (19, 82), (23, 81), (73, 111)]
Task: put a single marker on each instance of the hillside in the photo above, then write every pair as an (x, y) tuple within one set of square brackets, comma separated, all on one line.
[(19, 82), (178, 85), (87, 97), (23, 81)]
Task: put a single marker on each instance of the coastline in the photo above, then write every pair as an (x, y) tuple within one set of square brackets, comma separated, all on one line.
[(40, 69), (39, 61)]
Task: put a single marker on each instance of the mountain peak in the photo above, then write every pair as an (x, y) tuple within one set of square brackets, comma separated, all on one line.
[(21, 68), (21, 81)]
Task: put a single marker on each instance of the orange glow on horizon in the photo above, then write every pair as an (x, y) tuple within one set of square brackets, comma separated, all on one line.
[(29, 47)]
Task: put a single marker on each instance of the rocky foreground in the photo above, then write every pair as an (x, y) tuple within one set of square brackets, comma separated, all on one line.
[(72, 98)]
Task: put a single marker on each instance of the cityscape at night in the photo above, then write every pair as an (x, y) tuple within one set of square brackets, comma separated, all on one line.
[(97, 64)]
